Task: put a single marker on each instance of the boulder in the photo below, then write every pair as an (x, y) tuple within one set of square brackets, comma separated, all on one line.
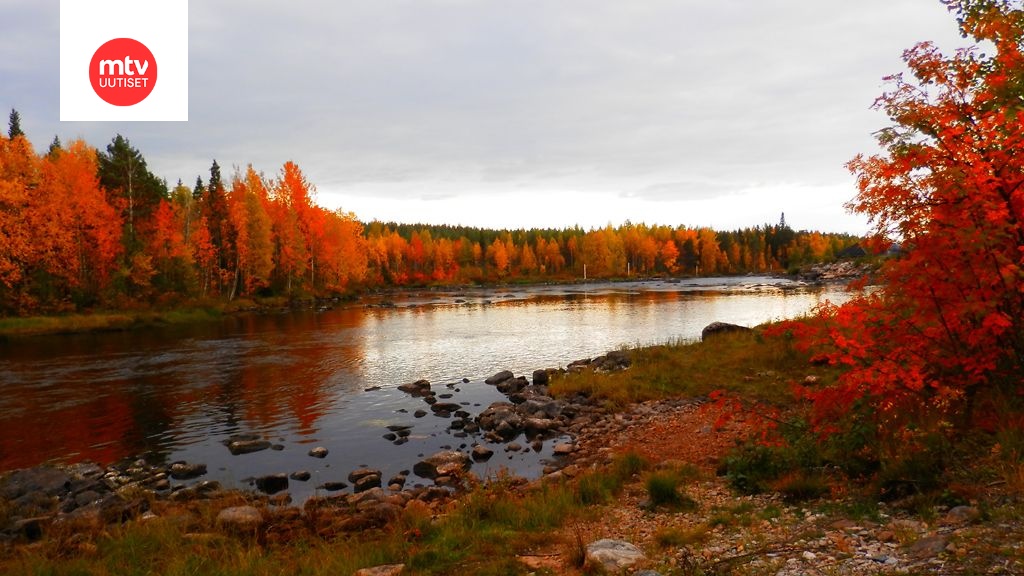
[(184, 471), (512, 385), (541, 407), (318, 452), (272, 484), (301, 475), (499, 377), (540, 377), (613, 556), (417, 388), (564, 449), (240, 518), (444, 463), (716, 328), (502, 418)]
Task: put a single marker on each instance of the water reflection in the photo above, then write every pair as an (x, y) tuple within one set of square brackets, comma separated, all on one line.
[(299, 378)]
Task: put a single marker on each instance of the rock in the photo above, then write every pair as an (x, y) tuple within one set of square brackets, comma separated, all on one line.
[(613, 556), (334, 486), (482, 453), (513, 447), (272, 483), (961, 515), (184, 471), (448, 407), (445, 463), (499, 377), (42, 480), (927, 547), (540, 377), (301, 475), (240, 518), (383, 570), (419, 413), (364, 479), (237, 447), (512, 385), (540, 424), (502, 418), (31, 529), (564, 449), (541, 407), (716, 328), (319, 452), (397, 480), (417, 388)]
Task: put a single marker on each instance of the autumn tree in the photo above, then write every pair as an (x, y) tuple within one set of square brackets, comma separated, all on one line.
[(943, 341)]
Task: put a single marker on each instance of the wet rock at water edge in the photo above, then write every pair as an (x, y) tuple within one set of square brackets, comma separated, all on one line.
[(43, 480), (364, 478), (182, 470), (482, 453), (333, 486), (272, 484), (417, 388), (540, 377), (445, 463), (499, 377), (512, 385), (564, 449), (319, 452), (301, 475), (716, 328), (447, 407), (419, 413)]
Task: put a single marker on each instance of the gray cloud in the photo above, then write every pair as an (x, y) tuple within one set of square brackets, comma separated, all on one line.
[(652, 99)]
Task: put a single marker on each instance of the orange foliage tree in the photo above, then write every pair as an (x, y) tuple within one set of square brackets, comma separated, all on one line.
[(943, 341)]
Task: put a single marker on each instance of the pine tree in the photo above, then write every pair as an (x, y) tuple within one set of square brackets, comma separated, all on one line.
[(14, 125)]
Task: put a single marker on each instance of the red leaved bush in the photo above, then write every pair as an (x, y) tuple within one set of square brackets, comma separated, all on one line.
[(942, 341)]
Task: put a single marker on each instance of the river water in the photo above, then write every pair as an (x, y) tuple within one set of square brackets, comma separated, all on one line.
[(328, 378)]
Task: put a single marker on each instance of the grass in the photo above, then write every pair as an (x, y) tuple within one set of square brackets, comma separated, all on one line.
[(103, 321), (744, 363)]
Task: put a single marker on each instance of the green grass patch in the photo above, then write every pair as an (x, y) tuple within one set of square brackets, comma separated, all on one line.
[(748, 364)]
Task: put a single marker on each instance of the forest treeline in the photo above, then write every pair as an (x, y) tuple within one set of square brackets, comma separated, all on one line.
[(81, 228)]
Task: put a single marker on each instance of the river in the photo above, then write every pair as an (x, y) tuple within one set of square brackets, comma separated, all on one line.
[(303, 378)]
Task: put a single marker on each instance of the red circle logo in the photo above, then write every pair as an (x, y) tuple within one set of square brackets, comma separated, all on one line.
[(123, 72)]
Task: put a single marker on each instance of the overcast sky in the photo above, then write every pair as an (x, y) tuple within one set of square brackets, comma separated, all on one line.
[(519, 113)]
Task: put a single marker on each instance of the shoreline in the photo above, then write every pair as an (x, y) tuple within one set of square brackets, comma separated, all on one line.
[(200, 312)]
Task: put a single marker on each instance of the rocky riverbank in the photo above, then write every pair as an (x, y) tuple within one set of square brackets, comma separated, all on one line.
[(717, 531)]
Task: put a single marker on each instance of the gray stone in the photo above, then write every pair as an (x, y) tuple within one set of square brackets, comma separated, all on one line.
[(383, 570), (44, 479), (613, 556), (417, 388), (301, 475), (445, 463), (240, 518), (499, 377), (927, 547), (183, 470), (318, 452), (540, 377), (716, 328), (237, 447)]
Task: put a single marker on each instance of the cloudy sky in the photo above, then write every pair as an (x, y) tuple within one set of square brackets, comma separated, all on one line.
[(519, 113)]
